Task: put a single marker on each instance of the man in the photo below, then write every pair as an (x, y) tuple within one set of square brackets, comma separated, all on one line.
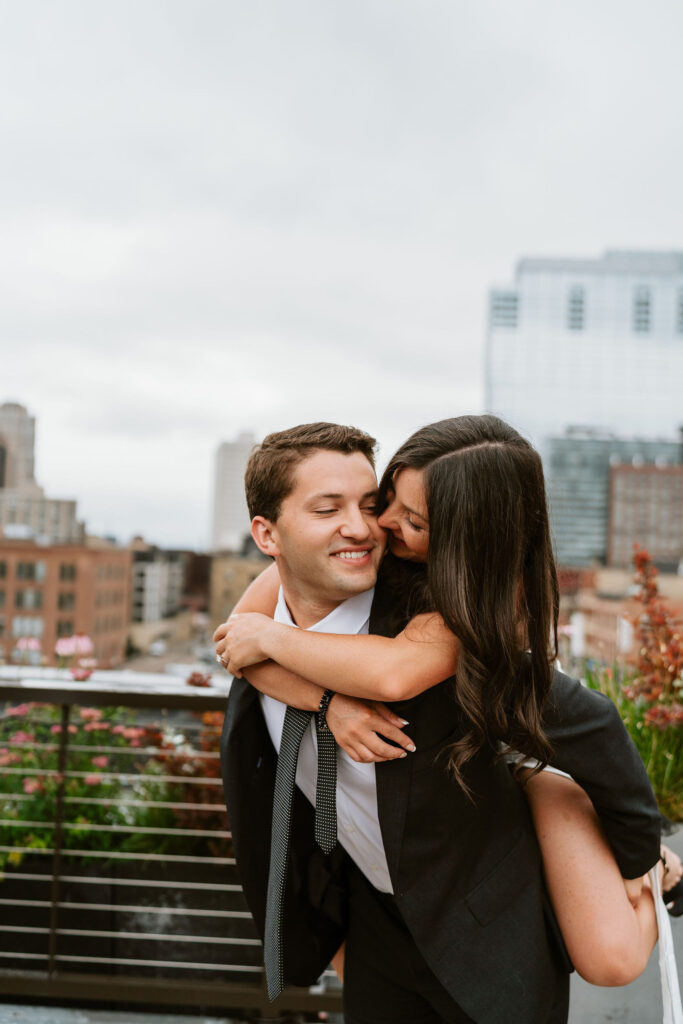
[(448, 917)]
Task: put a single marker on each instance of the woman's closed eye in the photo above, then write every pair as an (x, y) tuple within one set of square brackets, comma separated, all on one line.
[(414, 526)]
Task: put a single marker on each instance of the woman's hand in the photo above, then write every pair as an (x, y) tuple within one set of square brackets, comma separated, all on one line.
[(241, 640), (359, 726)]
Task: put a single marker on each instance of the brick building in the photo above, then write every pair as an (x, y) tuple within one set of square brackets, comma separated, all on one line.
[(646, 507), (47, 592)]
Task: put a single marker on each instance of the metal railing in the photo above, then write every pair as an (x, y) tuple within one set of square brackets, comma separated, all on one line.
[(119, 881)]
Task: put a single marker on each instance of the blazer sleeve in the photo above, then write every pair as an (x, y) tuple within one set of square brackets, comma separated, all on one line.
[(591, 743)]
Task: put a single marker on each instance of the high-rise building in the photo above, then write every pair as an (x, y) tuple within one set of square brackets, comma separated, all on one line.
[(17, 442), (578, 479), (589, 342), (231, 522), (25, 512)]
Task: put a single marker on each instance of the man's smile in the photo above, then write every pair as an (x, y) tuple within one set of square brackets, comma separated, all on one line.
[(359, 556)]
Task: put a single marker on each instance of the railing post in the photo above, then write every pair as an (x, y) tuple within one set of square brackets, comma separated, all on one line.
[(59, 839)]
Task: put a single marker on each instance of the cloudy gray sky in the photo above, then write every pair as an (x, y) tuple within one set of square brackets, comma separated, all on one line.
[(220, 215)]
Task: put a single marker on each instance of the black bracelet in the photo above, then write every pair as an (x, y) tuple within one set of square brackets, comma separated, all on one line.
[(321, 713)]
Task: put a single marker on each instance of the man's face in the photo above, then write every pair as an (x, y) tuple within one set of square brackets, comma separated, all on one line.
[(328, 543)]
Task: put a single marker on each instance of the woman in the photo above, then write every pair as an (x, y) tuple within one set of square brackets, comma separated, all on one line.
[(472, 586)]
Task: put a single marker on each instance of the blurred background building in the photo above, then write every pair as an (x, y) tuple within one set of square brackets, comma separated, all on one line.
[(48, 592), (594, 342), (25, 512), (231, 520), (585, 358), (587, 473)]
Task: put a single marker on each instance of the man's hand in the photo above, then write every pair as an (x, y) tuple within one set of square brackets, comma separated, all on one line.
[(240, 641), (359, 725)]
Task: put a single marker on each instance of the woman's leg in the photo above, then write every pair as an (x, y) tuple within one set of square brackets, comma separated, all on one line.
[(609, 940)]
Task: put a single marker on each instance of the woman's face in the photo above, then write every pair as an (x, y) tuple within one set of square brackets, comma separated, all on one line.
[(405, 517)]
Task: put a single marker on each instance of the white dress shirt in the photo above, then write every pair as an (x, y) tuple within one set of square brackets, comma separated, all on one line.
[(357, 817)]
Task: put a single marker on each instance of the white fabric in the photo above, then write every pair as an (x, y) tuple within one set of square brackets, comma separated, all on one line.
[(357, 816), (671, 996)]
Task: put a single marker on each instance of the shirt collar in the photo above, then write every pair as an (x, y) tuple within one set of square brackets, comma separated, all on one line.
[(348, 617)]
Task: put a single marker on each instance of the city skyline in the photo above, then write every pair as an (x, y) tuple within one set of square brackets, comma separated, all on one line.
[(266, 215)]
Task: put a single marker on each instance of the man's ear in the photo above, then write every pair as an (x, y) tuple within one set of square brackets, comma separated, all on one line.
[(262, 532)]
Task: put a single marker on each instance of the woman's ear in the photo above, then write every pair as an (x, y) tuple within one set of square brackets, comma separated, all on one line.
[(262, 532)]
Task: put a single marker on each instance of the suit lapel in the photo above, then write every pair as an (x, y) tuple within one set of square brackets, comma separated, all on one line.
[(393, 787)]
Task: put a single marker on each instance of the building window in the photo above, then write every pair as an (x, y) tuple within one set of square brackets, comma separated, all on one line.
[(67, 572), (66, 602), (3, 570), (2, 626), (641, 309), (2, 598), (504, 309), (28, 598), (65, 627), (31, 571), (26, 626), (576, 308)]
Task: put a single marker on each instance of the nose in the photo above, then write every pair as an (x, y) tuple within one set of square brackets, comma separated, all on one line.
[(355, 524), (387, 520)]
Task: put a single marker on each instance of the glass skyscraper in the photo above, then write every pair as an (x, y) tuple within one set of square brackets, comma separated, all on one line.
[(589, 343)]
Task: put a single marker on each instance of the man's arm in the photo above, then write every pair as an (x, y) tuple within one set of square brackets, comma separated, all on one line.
[(591, 744), (360, 728)]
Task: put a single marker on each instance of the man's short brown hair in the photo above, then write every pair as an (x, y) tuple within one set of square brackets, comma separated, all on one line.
[(269, 477)]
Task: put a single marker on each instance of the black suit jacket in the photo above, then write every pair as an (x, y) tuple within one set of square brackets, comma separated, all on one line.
[(466, 876)]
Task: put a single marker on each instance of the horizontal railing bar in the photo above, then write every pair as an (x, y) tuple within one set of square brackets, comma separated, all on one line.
[(238, 915), (86, 748), (147, 830), (5, 954), (164, 804), (177, 858), (219, 940), (171, 697), (148, 882), (232, 915), (136, 777), (104, 802), (180, 965), (106, 776)]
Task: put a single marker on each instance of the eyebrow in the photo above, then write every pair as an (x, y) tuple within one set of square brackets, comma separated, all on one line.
[(339, 497)]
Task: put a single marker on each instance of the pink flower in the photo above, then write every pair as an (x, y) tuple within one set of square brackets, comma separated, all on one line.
[(96, 727), (32, 786), (91, 714), (28, 643), (22, 737), (17, 712), (92, 780), (64, 648), (119, 729), (133, 732), (56, 729), (82, 644), (100, 762), (7, 758)]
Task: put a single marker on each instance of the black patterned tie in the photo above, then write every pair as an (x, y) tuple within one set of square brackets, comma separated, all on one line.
[(326, 787), (295, 725)]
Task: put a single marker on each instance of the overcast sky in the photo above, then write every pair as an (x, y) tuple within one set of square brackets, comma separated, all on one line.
[(220, 215)]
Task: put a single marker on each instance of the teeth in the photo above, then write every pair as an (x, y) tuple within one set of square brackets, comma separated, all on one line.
[(351, 554)]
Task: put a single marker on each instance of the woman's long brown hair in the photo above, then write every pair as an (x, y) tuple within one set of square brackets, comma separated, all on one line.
[(491, 576)]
